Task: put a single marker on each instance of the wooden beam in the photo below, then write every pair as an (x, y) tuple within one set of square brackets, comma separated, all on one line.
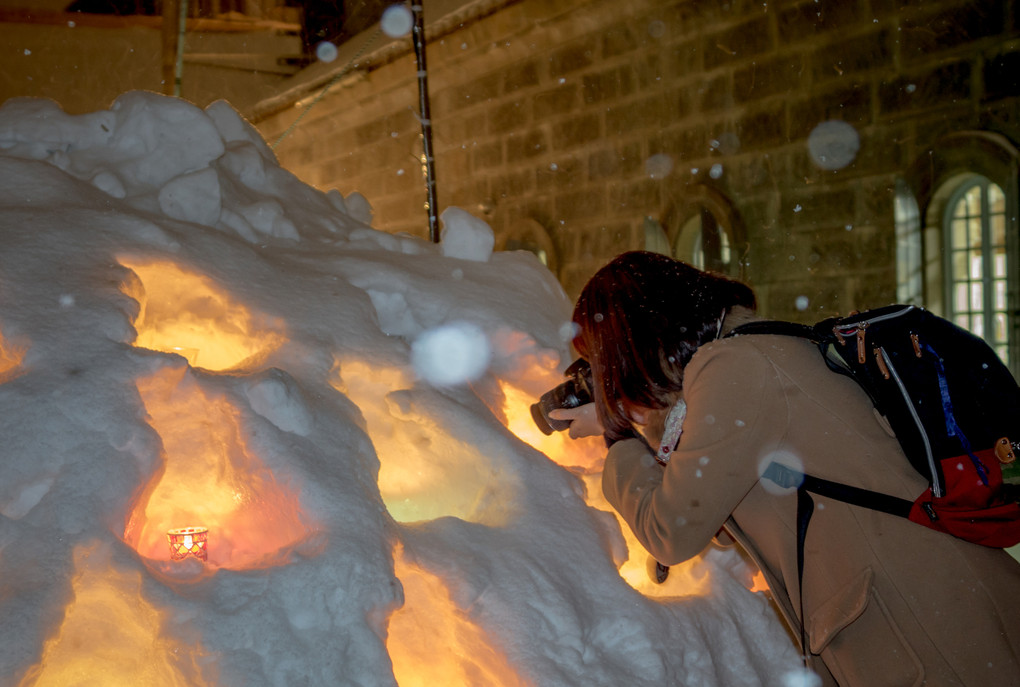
[(114, 21)]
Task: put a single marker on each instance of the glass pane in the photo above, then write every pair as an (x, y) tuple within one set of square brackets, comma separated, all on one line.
[(960, 297), (999, 264), (998, 230), (976, 265), (1000, 294), (996, 199), (971, 201), (974, 232), (977, 296), (958, 233), (959, 265), (977, 325), (999, 322), (960, 207), (914, 288)]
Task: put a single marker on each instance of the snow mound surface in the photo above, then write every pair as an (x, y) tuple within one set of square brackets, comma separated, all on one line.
[(190, 336)]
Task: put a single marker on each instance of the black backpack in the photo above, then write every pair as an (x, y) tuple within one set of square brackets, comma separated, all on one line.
[(952, 404)]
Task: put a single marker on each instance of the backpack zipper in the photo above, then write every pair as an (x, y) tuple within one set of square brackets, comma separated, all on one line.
[(885, 365), (936, 485), (858, 328)]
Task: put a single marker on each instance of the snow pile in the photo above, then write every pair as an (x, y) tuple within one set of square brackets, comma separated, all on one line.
[(377, 518)]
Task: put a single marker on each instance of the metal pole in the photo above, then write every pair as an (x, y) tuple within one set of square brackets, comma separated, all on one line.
[(181, 28), (418, 36), (171, 17)]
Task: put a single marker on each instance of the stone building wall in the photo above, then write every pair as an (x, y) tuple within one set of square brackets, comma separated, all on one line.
[(589, 117)]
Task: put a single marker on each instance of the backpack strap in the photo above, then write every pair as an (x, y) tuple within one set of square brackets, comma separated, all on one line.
[(855, 496), (788, 477), (776, 327)]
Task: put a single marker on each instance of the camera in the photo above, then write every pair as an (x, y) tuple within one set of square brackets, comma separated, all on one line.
[(574, 392)]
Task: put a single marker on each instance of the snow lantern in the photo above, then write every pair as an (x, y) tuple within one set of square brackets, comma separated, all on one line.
[(188, 541), (211, 476)]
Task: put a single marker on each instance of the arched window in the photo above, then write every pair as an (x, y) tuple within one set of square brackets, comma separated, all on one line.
[(909, 256), (705, 242), (976, 261), (704, 230), (964, 247), (529, 235)]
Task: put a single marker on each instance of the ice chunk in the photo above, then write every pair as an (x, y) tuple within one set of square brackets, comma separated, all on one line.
[(465, 236), (266, 217), (358, 208), (192, 197)]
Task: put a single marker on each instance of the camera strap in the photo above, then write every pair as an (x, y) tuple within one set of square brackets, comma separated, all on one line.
[(671, 431)]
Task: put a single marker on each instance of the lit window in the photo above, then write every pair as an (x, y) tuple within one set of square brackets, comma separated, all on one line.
[(976, 260), (704, 231), (958, 234), (704, 244), (909, 257), (528, 235)]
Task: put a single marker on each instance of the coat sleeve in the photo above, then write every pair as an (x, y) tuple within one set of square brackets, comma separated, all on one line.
[(736, 418)]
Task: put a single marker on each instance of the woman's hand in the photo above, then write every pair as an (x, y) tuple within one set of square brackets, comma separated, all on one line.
[(584, 421)]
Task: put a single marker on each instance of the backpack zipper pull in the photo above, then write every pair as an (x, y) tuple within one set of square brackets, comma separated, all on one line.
[(917, 344), (877, 352), (1004, 451), (861, 354)]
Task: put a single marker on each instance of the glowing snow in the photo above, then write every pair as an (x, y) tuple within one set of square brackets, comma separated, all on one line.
[(330, 411)]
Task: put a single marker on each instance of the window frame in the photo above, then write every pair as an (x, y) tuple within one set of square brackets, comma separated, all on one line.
[(934, 180), (704, 203)]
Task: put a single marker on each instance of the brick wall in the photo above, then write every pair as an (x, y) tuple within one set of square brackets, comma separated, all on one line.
[(549, 110)]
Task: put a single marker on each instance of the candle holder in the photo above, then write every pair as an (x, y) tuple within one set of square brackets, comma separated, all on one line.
[(188, 541)]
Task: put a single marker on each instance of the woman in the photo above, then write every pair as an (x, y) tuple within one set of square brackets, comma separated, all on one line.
[(886, 601)]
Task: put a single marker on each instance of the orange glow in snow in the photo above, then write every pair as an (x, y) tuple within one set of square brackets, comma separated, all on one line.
[(758, 583), (432, 642), (210, 479), (186, 313), (587, 453), (111, 635), (425, 471), (10, 359), (585, 457)]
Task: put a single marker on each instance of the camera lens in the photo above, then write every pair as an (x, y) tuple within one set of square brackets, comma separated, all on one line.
[(574, 392)]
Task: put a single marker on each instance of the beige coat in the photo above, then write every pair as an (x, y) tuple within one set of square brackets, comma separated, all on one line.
[(887, 601)]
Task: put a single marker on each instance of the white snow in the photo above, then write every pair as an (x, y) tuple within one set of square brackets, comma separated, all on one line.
[(190, 336), (465, 236)]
